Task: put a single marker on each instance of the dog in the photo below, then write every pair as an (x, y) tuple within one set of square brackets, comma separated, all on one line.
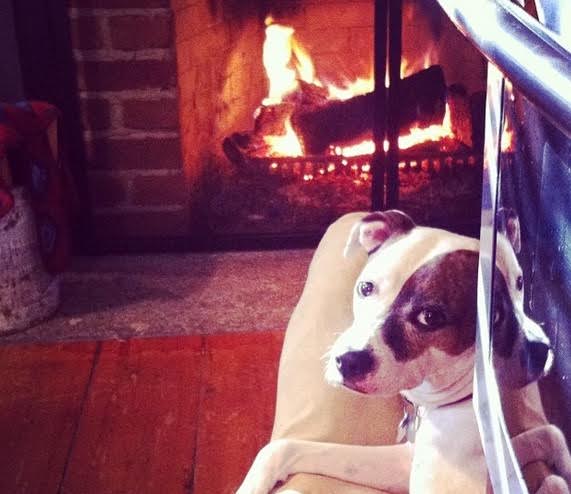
[(414, 333)]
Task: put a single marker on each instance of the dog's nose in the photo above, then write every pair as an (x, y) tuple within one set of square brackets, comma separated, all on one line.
[(536, 355), (355, 364)]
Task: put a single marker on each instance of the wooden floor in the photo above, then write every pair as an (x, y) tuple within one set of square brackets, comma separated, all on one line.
[(171, 415)]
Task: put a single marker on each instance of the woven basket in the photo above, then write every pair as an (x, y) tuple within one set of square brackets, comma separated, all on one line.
[(28, 294)]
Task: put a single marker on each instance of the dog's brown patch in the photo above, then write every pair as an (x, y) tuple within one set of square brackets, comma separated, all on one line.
[(447, 284), (506, 326)]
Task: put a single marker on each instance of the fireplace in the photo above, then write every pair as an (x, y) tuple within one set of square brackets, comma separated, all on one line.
[(278, 128), (216, 192)]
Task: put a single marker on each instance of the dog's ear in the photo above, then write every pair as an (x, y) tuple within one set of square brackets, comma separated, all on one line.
[(508, 224), (374, 229)]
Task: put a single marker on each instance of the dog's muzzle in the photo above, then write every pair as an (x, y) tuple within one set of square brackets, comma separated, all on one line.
[(355, 365)]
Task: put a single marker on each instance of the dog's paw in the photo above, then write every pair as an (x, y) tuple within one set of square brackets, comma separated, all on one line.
[(267, 470), (546, 444), (553, 484)]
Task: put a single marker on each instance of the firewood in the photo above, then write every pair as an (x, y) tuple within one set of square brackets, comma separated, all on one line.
[(422, 98), (460, 116), (270, 119), (240, 146), (308, 95)]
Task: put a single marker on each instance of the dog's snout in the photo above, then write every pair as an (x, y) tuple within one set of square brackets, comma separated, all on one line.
[(537, 356), (355, 364)]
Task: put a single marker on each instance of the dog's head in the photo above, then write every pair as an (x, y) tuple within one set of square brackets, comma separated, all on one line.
[(415, 309), (521, 351)]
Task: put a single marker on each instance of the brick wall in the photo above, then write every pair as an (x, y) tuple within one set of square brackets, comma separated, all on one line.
[(127, 78)]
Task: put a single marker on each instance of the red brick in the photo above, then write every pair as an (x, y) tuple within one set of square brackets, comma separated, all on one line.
[(119, 4), (86, 33), (326, 40), (107, 190), (201, 18), (136, 154), (123, 75), (141, 224), (353, 14), (95, 114), (151, 114), (157, 190), (131, 32)]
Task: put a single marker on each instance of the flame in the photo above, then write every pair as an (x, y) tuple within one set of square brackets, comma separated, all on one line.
[(286, 62), (360, 149), (287, 144), (416, 135), (276, 57), (433, 133), (508, 138), (280, 51), (355, 88)]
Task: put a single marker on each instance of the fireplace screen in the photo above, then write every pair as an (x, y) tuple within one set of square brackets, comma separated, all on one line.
[(304, 153)]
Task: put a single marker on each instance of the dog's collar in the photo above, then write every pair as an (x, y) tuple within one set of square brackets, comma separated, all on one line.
[(461, 400), (412, 416)]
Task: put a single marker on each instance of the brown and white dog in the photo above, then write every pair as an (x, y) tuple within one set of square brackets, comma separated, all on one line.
[(414, 332)]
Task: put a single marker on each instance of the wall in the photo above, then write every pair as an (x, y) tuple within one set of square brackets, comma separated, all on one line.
[(11, 86), (126, 69)]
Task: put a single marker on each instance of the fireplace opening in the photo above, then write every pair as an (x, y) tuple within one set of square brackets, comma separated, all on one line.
[(291, 145)]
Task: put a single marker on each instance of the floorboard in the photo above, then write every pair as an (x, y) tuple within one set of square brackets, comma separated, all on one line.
[(237, 408), (41, 394), (172, 415), (138, 430)]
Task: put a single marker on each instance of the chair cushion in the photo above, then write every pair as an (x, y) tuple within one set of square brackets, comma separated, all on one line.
[(307, 407)]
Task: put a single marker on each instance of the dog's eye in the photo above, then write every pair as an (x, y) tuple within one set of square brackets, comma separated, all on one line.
[(519, 283), (431, 318), (365, 288)]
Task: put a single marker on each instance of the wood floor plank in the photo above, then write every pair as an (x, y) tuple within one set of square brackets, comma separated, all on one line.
[(138, 430), (41, 391), (237, 409)]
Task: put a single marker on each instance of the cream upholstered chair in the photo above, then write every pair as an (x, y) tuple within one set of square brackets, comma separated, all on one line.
[(307, 407)]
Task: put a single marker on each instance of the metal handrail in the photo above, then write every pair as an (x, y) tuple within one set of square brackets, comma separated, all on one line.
[(527, 53)]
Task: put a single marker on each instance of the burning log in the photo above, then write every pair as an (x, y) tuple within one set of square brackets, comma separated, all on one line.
[(239, 147), (460, 114), (271, 119), (423, 102)]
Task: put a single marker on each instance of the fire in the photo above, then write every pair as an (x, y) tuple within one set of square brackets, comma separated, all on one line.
[(507, 138), (433, 133), (415, 136), (280, 49), (286, 63), (284, 145), (360, 149), (355, 88)]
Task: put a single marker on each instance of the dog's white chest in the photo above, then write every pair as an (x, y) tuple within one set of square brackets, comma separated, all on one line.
[(448, 457)]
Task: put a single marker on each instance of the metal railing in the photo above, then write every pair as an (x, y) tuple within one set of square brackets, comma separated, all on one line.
[(520, 49), (526, 53)]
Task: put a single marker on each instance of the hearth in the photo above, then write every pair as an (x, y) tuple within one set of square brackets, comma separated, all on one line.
[(307, 137)]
